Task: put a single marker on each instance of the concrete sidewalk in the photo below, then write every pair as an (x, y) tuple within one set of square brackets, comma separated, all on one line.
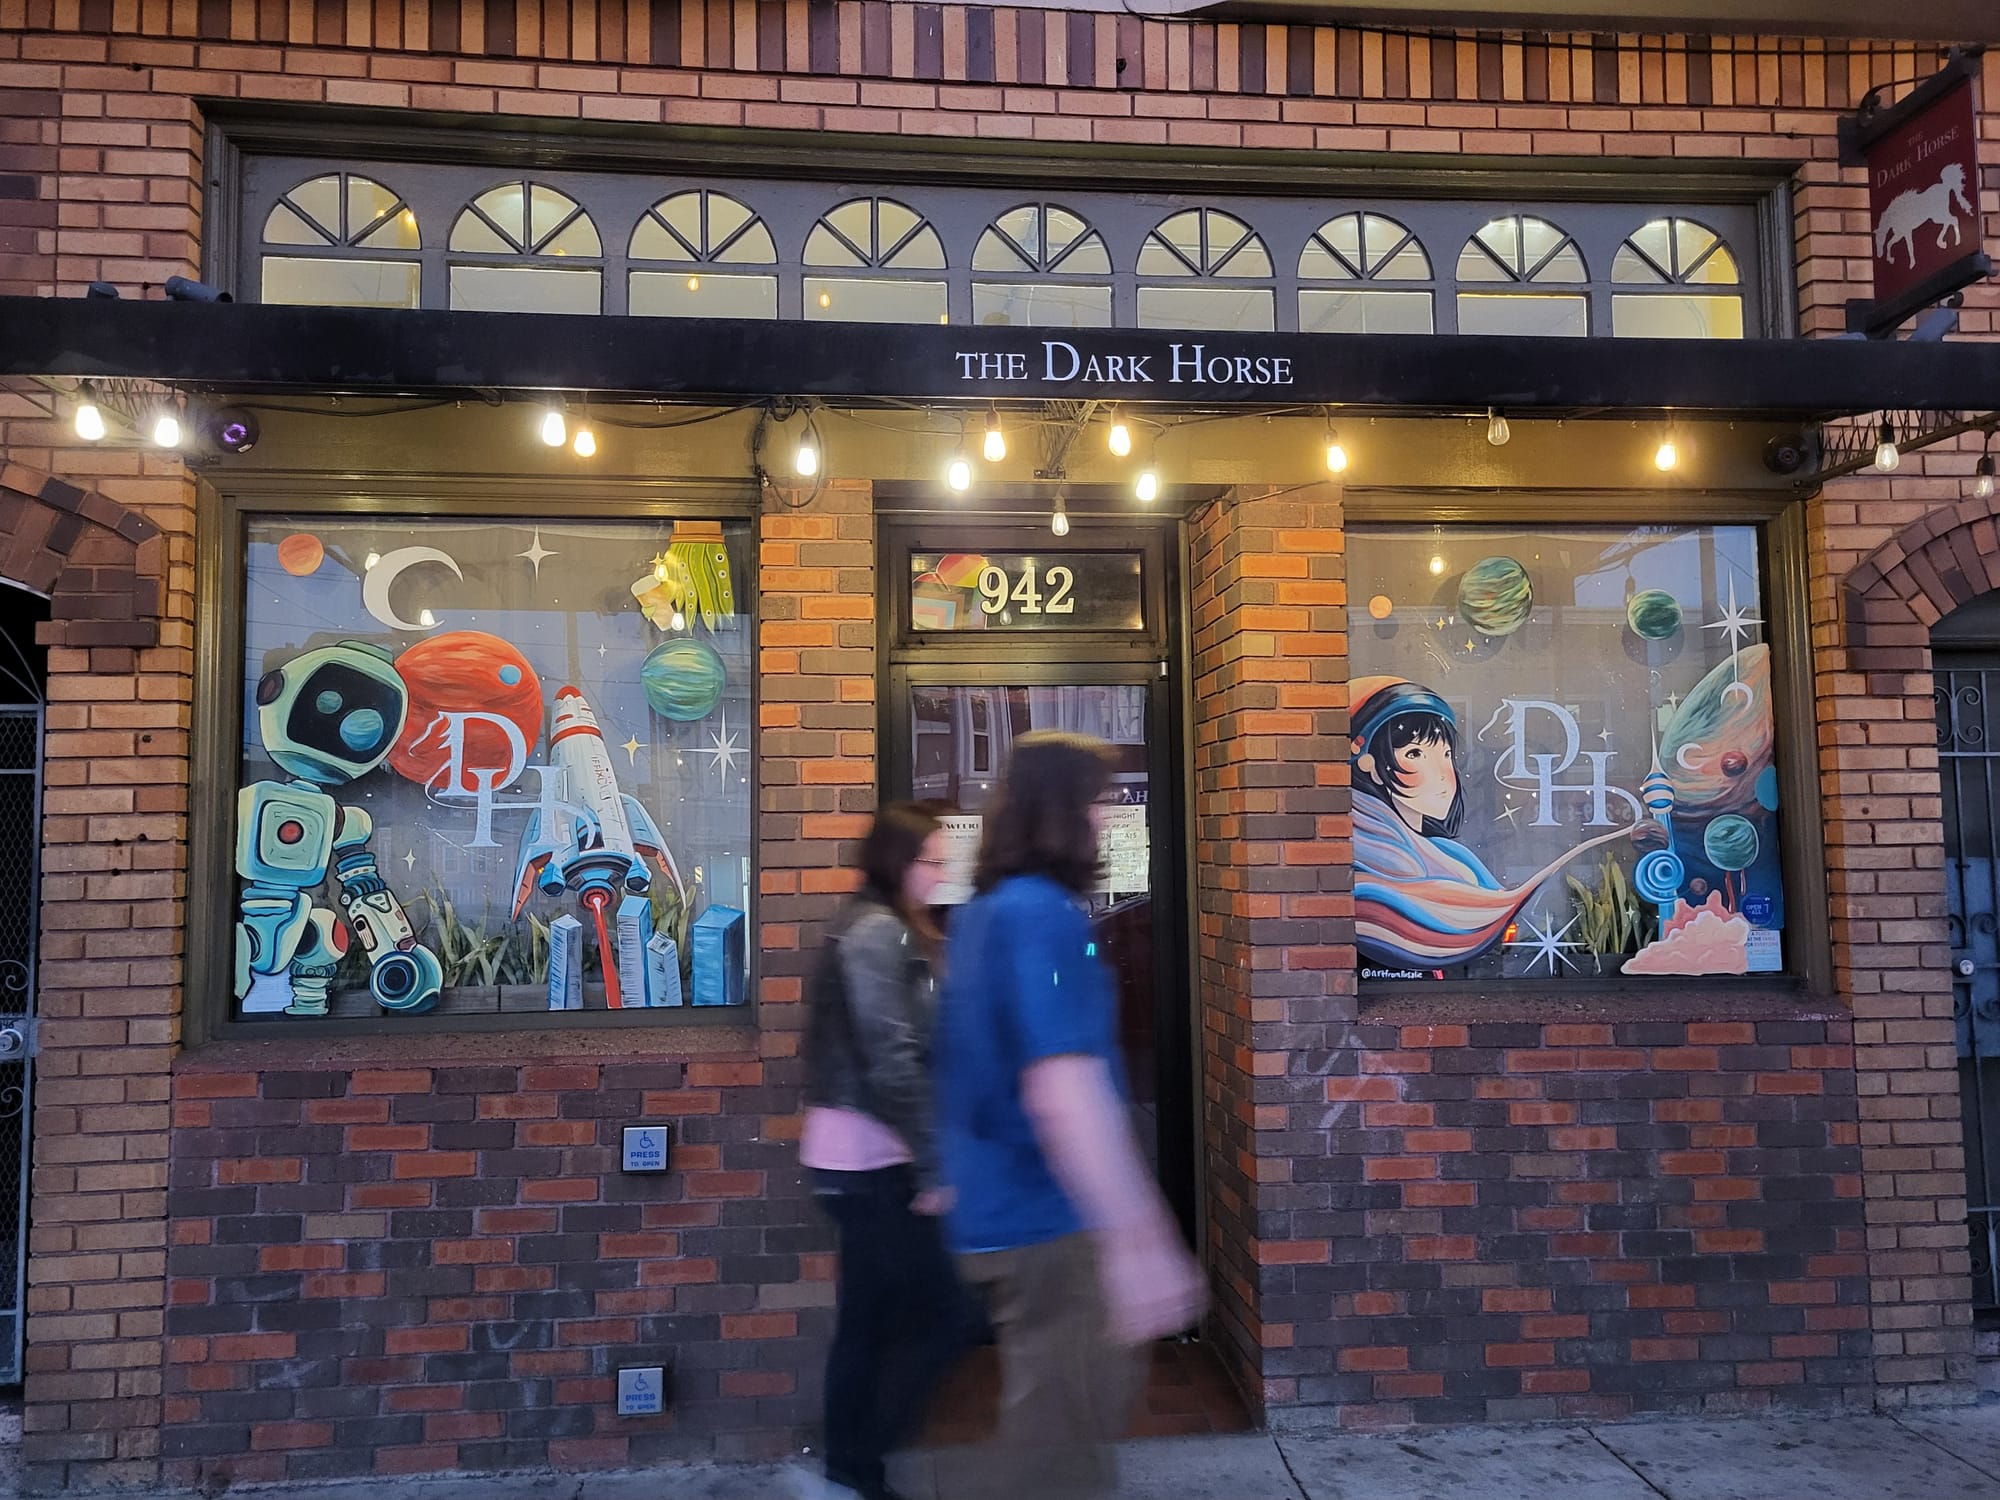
[(1949, 1454)]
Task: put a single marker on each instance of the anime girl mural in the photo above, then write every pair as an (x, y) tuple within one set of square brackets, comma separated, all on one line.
[(1423, 901)]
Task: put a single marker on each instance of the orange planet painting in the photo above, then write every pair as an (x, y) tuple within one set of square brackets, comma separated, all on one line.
[(1380, 607), (301, 554)]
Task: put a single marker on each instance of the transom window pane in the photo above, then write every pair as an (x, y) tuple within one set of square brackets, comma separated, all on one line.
[(1521, 247), (675, 294), (1042, 237), (1535, 314), (703, 227), (1674, 250), (1363, 247), (1220, 308), (1564, 754), (865, 299), (875, 232), (525, 218), (1322, 310), (1204, 242), (321, 281), (1028, 304), (342, 209)]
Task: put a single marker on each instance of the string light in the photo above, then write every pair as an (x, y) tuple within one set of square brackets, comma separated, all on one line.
[(1887, 455), (1668, 454), (584, 445), (1059, 517), (89, 420), (995, 446), (1147, 485), (1497, 430), (1437, 565), (555, 431), (167, 429), (1119, 438), (1336, 455), (805, 459), (1982, 484)]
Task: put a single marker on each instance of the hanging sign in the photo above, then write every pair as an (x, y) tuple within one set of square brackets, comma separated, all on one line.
[(1922, 158)]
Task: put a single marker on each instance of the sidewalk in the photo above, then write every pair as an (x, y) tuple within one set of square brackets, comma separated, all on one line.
[(1951, 1454)]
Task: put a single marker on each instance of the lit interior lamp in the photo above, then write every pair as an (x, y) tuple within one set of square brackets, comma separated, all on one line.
[(1437, 565), (1497, 430), (1059, 518), (694, 283), (1887, 454), (89, 420), (1982, 482), (1668, 454), (555, 431), (826, 299), (585, 443), (958, 473), (1120, 437), (1147, 486), (805, 461), (995, 445), (372, 559), (167, 430)]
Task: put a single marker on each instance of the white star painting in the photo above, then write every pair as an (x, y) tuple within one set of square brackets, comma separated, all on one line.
[(1548, 944), (722, 748)]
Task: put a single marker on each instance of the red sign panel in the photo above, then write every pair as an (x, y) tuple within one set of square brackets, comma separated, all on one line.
[(1923, 194)]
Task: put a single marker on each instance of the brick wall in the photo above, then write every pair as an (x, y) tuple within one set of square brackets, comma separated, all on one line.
[(99, 178)]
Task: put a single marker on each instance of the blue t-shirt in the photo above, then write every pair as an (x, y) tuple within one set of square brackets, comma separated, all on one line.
[(1022, 983)]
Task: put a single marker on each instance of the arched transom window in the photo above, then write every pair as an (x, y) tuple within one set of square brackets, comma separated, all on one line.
[(1364, 273), (1528, 261), (867, 262), (341, 240), (1041, 266), (1675, 280), (516, 248), (1218, 261), (698, 232)]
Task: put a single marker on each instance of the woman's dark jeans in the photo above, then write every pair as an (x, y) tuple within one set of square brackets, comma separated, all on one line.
[(902, 1319)]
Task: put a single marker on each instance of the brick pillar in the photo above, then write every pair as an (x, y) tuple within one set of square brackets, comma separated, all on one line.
[(113, 857), (1885, 856), (1276, 963)]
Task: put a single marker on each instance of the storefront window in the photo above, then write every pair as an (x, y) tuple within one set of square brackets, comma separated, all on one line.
[(1564, 754), (874, 235), (695, 233), (1219, 261), (1041, 266), (491, 766), (342, 240), (1524, 259), (1671, 275), (1356, 275)]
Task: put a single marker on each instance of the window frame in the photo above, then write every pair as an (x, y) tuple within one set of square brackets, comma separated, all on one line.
[(1283, 196), (1784, 558), (216, 752)]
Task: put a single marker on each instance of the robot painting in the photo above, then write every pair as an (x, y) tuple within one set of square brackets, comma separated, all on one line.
[(329, 716)]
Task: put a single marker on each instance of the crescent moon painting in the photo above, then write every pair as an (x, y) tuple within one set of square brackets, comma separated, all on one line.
[(376, 582)]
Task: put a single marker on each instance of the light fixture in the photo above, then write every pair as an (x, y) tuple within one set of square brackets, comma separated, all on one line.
[(1668, 454), (694, 283), (167, 428), (1887, 455), (1497, 430), (958, 472), (1059, 517), (1437, 565), (1336, 455), (994, 447), (370, 560), (826, 299), (805, 458), (1147, 485), (89, 420), (584, 444), (1120, 436), (555, 431), (1982, 480)]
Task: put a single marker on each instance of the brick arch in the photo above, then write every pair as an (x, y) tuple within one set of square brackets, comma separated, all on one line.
[(1924, 572), (99, 564)]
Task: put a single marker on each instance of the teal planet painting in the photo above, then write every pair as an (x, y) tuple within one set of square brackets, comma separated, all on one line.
[(1730, 842), (1653, 614), (683, 679), (1494, 596)]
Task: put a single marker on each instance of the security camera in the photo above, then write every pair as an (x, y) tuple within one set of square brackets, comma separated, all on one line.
[(231, 429), (1788, 453), (181, 289)]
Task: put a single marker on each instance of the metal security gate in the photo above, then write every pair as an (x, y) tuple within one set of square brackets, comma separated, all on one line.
[(1968, 727), (20, 866)]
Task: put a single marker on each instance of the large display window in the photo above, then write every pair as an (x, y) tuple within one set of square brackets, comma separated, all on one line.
[(491, 765), (1565, 754)]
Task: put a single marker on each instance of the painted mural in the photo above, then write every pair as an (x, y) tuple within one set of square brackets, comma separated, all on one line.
[(1562, 752), (433, 816)]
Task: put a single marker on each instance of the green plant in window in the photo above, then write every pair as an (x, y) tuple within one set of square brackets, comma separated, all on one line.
[(525, 959), (1611, 920), (467, 954), (675, 917)]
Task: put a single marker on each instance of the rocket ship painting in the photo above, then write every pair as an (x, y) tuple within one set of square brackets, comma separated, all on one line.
[(600, 852)]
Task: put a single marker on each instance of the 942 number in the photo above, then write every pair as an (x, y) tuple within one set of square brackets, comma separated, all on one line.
[(997, 590)]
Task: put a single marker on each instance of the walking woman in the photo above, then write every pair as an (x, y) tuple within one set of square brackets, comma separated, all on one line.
[(868, 1145), (1056, 1219)]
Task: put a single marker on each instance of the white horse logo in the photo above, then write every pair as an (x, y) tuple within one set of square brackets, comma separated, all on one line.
[(1911, 211)]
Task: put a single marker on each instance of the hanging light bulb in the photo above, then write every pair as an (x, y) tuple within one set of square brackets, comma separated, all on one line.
[(555, 431), (1437, 565), (167, 429), (1147, 485), (1120, 437), (1336, 455), (995, 445), (1982, 482), (584, 445), (958, 473), (805, 460), (1497, 430), (89, 420), (1887, 455), (1668, 454), (1059, 517)]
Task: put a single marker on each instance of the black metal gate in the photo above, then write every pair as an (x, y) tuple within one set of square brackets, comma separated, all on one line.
[(20, 865), (1968, 727)]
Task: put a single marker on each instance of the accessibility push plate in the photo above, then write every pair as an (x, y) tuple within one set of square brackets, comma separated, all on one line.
[(647, 1147)]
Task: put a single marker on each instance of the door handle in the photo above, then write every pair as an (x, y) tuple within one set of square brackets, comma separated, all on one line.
[(1965, 966), (13, 1042)]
